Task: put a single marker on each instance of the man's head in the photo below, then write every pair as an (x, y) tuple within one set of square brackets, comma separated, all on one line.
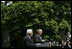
[(39, 31), (30, 32)]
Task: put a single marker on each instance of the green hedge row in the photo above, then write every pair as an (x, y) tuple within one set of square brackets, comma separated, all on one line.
[(52, 16)]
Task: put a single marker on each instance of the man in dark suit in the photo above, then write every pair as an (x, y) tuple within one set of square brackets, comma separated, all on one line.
[(28, 41), (37, 37)]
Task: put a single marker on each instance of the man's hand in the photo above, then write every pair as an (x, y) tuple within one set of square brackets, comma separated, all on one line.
[(43, 40), (38, 43)]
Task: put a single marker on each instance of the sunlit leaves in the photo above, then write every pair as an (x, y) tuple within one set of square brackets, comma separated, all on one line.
[(49, 14), (36, 21), (64, 25)]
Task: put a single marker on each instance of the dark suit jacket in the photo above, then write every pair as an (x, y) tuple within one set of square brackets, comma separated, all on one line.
[(28, 42), (37, 38)]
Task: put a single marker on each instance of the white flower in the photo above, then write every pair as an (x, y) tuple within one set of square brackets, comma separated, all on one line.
[(9, 3), (3, 1)]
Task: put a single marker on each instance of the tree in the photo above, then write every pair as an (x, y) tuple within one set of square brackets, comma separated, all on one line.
[(51, 16)]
